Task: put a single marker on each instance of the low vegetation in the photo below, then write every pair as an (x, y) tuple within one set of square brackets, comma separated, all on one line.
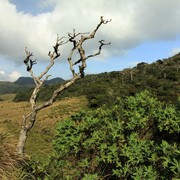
[(11, 165), (137, 138)]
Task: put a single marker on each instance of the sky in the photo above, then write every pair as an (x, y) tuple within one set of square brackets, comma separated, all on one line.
[(140, 31)]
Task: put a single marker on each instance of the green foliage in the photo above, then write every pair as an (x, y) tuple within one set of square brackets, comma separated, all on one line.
[(98, 96), (7, 87), (160, 78), (22, 95), (137, 138)]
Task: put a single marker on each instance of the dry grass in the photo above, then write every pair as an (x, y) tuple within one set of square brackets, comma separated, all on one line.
[(39, 143), (10, 163), (7, 97)]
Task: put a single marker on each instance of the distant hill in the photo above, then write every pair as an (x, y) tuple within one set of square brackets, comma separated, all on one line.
[(54, 81), (28, 81), (24, 83), (7, 87)]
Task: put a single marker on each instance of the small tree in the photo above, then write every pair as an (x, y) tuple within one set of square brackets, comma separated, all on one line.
[(77, 40)]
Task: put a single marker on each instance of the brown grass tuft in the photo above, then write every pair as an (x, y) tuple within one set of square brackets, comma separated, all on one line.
[(11, 164)]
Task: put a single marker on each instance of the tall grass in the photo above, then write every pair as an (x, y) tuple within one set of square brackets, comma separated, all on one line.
[(39, 143), (11, 164)]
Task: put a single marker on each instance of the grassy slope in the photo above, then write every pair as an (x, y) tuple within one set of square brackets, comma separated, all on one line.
[(39, 143), (7, 97)]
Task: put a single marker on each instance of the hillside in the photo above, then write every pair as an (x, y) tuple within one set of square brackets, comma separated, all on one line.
[(160, 78), (28, 81), (7, 87), (23, 83), (42, 134)]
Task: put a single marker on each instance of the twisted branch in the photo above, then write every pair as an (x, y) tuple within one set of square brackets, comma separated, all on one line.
[(29, 119), (77, 45), (38, 80)]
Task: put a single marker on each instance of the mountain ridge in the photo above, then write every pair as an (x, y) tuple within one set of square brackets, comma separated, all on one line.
[(30, 81), (7, 87)]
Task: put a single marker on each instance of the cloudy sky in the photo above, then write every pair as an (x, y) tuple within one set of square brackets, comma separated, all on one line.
[(140, 30)]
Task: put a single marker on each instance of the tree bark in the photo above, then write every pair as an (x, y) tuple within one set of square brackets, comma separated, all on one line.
[(27, 123), (22, 141)]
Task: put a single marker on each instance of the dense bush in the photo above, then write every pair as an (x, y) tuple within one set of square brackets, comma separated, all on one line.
[(135, 139), (23, 95)]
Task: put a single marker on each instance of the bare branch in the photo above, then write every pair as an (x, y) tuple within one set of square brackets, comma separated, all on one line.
[(57, 92), (59, 42), (105, 21), (77, 40), (102, 21), (28, 55), (30, 65), (28, 62), (78, 45), (55, 54), (74, 35), (102, 43), (72, 39)]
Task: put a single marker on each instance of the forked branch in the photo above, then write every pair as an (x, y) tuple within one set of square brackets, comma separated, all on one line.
[(77, 45), (77, 40)]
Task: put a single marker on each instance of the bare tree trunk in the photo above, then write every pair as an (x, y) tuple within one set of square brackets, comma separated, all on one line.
[(27, 123), (22, 141)]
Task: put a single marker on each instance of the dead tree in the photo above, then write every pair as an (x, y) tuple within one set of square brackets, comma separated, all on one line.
[(77, 40)]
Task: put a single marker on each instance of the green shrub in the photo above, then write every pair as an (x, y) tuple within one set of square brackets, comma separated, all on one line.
[(136, 139)]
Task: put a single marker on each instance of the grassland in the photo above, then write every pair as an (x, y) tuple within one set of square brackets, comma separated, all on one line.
[(7, 97), (39, 143)]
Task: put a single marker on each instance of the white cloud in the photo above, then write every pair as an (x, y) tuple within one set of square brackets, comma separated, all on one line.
[(12, 76), (2, 73), (132, 23), (175, 51)]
